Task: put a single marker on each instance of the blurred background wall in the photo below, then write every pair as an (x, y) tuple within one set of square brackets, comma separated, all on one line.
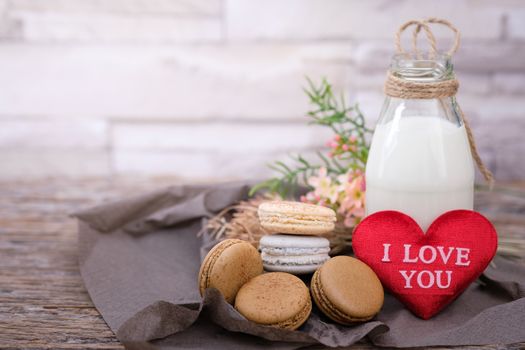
[(213, 88)]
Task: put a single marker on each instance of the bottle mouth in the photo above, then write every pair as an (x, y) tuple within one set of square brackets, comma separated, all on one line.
[(409, 68)]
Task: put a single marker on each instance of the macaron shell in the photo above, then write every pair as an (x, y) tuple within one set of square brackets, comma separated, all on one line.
[(293, 254), (347, 290), (228, 266), (296, 218), (276, 225), (290, 245), (275, 299), (311, 259), (208, 261), (293, 269), (327, 308), (292, 241), (297, 321), (291, 207)]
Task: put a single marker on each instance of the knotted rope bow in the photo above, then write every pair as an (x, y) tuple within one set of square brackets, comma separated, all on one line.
[(401, 88)]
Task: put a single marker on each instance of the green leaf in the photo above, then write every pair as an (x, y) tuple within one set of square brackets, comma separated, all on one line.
[(268, 185), (330, 111)]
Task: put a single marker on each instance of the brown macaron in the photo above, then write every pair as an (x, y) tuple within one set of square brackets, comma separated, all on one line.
[(275, 299), (229, 264), (347, 290)]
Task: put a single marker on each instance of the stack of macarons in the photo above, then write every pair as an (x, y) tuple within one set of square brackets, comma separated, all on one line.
[(295, 244), (344, 289)]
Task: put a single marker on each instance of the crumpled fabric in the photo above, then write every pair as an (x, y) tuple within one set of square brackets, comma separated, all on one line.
[(139, 259)]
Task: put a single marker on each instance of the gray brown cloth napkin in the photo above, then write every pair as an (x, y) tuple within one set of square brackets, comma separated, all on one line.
[(140, 257)]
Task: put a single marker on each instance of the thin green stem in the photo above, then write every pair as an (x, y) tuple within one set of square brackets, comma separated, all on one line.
[(345, 122)]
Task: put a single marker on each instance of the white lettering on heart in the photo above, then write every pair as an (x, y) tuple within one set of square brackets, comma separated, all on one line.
[(462, 254), (440, 282), (444, 256), (386, 252), (407, 258), (433, 254), (462, 258), (407, 277), (430, 279)]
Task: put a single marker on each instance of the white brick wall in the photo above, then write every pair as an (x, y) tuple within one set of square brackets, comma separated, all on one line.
[(228, 81), (212, 88), (353, 19), (102, 28), (134, 7)]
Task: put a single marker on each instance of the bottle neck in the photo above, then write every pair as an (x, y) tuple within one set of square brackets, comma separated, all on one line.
[(422, 70)]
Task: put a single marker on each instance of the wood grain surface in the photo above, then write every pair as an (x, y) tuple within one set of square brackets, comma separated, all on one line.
[(43, 303)]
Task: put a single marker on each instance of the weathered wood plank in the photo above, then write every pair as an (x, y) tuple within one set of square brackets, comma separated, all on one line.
[(43, 303)]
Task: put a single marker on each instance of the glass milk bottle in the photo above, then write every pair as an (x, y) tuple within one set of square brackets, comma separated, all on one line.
[(420, 161)]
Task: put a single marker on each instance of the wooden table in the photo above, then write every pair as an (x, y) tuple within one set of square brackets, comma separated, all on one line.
[(43, 303)]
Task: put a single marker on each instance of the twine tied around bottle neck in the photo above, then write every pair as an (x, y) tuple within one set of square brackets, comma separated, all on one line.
[(405, 89)]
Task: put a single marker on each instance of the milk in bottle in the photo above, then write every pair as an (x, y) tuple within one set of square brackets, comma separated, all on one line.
[(420, 161)]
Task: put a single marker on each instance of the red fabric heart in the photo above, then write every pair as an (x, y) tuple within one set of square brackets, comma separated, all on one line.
[(436, 267)]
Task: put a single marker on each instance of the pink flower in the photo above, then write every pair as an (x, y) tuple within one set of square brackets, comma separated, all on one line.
[(345, 194), (353, 204), (310, 197), (323, 186), (345, 147), (352, 139), (354, 216)]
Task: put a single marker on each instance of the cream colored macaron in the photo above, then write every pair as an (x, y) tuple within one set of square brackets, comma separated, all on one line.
[(296, 218)]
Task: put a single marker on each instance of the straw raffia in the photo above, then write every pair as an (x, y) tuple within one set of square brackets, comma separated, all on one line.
[(241, 221)]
